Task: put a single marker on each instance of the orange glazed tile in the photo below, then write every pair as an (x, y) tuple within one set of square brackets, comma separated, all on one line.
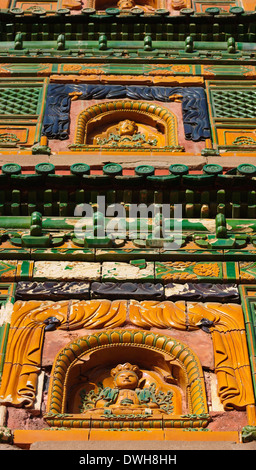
[(210, 436), (24, 438), (129, 435)]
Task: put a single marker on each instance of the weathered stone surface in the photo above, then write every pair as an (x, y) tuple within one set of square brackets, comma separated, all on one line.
[(126, 271), (233, 420), (9, 447), (66, 270), (144, 445), (130, 160), (19, 418), (56, 340)]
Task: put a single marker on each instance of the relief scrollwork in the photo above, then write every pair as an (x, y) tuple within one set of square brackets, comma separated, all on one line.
[(23, 355), (60, 96), (29, 322), (226, 325), (230, 352), (224, 322), (8, 139), (127, 5)]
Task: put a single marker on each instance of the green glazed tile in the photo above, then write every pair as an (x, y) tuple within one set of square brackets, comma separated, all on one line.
[(18, 253), (125, 255), (24, 270), (63, 254), (185, 271), (8, 270), (230, 272), (185, 254), (239, 255), (4, 330), (247, 271)]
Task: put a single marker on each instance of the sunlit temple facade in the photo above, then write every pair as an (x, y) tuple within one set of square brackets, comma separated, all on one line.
[(127, 222)]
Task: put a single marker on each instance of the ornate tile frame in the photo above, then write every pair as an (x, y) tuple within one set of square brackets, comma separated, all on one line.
[(226, 326)]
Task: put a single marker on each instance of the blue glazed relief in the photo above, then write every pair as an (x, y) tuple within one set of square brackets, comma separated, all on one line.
[(194, 106)]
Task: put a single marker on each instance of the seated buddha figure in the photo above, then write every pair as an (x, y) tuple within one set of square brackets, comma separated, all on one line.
[(129, 4), (125, 134), (127, 127), (125, 4), (126, 392)]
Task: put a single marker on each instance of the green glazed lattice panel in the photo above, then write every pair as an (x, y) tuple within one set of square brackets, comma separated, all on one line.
[(234, 103), (19, 101)]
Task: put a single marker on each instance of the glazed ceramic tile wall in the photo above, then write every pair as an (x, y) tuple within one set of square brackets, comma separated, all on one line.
[(106, 108)]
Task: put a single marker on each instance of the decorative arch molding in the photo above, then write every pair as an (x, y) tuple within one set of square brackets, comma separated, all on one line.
[(97, 4), (172, 349), (136, 110), (59, 97), (227, 328)]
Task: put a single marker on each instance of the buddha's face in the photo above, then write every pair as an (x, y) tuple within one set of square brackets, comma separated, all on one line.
[(125, 4), (127, 127), (126, 379)]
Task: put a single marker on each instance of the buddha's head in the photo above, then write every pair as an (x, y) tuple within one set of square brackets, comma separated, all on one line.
[(126, 4), (126, 376), (127, 127)]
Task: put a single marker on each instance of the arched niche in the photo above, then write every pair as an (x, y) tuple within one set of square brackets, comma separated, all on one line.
[(167, 365), (125, 5), (155, 367), (101, 125)]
